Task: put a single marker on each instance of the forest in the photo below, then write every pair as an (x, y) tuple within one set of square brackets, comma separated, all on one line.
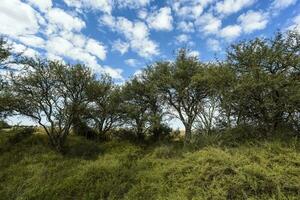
[(95, 139)]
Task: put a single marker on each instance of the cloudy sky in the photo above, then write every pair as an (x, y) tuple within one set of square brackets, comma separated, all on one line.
[(120, 37)]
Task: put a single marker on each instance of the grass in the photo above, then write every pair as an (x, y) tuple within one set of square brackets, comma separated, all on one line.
[(266, 169)]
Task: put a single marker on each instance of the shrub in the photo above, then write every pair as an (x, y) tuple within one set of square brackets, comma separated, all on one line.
[(18, 134), (4, 124)]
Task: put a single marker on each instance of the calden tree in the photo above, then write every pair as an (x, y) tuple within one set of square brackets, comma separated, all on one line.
[(181, 95), (103, 110), (51, 93)]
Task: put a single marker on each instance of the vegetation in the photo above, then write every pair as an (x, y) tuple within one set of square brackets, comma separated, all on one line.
[(265, 169), (241, 118)]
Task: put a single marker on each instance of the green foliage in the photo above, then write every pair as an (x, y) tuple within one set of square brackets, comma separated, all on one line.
[(52, 94), (267, 84), (174, 80), (4, 53), (4, 124), (121, 170)]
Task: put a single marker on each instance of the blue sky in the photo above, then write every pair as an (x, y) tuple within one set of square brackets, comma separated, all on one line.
[(120, 37)]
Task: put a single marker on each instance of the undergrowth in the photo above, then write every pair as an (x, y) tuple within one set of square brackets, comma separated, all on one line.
[(264, 169)]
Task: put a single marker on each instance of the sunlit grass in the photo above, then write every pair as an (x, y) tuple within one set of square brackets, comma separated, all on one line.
[(29, 169)]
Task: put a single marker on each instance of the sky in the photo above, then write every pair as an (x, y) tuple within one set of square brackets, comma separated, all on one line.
[(120, 37)]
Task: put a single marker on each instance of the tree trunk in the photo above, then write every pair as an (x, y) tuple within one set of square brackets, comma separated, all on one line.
[(188, 133)]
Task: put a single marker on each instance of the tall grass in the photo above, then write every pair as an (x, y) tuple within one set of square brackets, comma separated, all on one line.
[(29, 169)]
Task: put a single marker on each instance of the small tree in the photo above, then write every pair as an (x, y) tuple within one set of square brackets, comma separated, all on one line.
[(135, 110), (104, 105), (5, 98), (4, 53), (267, 72), (178, 90), (51, 93)]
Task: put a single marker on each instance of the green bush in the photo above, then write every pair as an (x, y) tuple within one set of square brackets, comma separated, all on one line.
[(123, 170), (18, 134), (4, 125)]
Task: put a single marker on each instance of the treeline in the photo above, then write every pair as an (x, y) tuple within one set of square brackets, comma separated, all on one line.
[(257, 85)]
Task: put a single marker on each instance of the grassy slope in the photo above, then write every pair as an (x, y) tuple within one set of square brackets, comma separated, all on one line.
[(121, 170)]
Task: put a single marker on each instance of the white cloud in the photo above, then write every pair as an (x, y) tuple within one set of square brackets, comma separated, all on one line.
[(138, 73), (136, 34), (17, 18), (116, 73), (253, 20), (22, 49), (208, 24), (132, 3), (142, 14), (228, 7), (282, 4), (189, 9), (32, 40), (60, 20), (106, 6), (183, 38), (187, 27), (101, 5), (161, 19), (231, 32), (194, 54), (132, 62), (295, 25), (213, 45), (120, 46), (96, 48), (42, 5)]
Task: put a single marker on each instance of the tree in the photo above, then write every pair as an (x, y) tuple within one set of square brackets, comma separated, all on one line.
[(135, 110), (267, 72), (5, 98), (174, 80), (52, 94), (152, 98), (220, 81), (4, 53), (104, 105)]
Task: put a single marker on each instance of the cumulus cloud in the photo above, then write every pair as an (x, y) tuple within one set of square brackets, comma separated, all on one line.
[(161, 19), (60, 20), (136, 34), (253, 20), (101, 5), (295, 24), (132, 3), (32, 40), (282, 4), (208, 24), (228, 7), (183, 38), (17, 18), (24, 50), (106, 6), (189, 9), (120, 46), (132, 62), (213, 44), (185, 26), (96, 48), (42, 5), (56, 34), (231, 32), (113, 72), (194, 53)]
